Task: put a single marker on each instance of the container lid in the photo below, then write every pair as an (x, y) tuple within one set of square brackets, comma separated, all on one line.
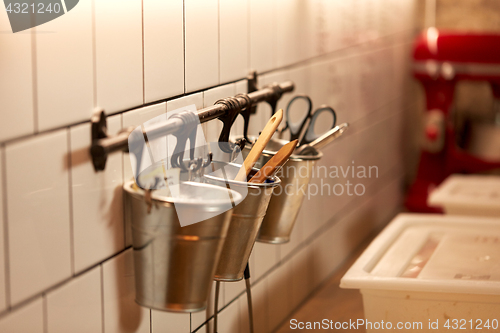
[(468, 191), (431, 253)]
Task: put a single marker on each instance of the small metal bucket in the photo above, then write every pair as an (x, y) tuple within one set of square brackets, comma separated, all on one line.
[(287, 198), (174, 265), (246, 219)]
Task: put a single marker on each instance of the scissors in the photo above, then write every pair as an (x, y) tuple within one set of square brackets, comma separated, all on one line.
[(309, 120)]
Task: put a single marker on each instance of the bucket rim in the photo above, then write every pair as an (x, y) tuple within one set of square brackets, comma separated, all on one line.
[(162, 199), (292, 157), (276, 180)]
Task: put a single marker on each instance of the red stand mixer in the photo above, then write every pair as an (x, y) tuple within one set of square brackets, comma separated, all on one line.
[(441, 59)]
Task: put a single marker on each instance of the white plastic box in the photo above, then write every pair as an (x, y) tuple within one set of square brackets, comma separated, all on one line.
[(431, 269), (468, 195)]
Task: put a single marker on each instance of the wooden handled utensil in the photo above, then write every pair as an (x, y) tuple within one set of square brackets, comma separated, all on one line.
[(275, 162), (259, 146)]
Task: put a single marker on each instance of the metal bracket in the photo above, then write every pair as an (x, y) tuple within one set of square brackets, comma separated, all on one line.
[(252, 108), (99, 130)]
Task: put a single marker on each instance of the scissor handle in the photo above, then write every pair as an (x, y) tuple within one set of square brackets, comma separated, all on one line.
[(296, 128), (310, 135)]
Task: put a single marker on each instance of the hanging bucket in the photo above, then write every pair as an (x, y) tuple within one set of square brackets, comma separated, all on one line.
[(174, 265), (246, 219), (287, 198)]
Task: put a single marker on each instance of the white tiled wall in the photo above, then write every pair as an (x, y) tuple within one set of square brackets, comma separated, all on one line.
[(202, 43), (65, 259), (163, 49), (76, 307), (38, 213), (65, 78), (16, 82), (118, 54)]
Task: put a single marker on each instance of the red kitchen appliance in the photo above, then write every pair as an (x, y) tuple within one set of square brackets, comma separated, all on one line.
[(441, 59)]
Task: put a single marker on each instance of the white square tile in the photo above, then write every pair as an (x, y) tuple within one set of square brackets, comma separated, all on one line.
[(262, 35), (118, 34), (198, 318), (293, 35), (121, 312), (76, 306), (28, 318), (302, 267), (65, 77), (213, 128), (229, 319), (3, 295), (202, 43), (196, 99), (233, 34), (38, 213), (243, 308), (16, 90), (279, 297), (163, 49), (265, 257), (98, 230), (232, 290), (167, 322), (296, 237), (260, 305)]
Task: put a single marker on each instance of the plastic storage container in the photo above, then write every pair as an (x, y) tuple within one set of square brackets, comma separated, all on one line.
[(431, 269), (468, 195)]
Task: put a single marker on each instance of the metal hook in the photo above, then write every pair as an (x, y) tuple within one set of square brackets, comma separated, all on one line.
[(233, 105), (188, 132), (246, 112)]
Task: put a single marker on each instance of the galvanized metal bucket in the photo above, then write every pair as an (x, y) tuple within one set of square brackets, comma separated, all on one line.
[(287, 198), (174, 265), (246, 219)]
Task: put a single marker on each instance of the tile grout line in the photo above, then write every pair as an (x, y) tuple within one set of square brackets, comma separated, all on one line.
[(102, 298), (184, 40), (122, 158), (34, 82), (5, 226), (218, 39), (45, 314), (94, 55), (143, 61), (249, 35), (70, 199)]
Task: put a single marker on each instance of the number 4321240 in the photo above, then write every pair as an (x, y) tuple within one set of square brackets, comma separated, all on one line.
[(39, 8), (478, 324)]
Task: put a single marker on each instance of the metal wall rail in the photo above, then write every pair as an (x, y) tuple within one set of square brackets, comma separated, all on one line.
[(102, 144)]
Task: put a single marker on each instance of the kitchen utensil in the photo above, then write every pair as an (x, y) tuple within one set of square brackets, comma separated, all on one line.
[(259, 146), (308, 121), (322, 141), (274, 163)]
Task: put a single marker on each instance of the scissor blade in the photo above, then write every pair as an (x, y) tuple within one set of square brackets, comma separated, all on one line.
[(329, 136)]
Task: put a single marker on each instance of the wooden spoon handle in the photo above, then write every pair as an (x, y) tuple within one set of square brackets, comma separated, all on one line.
[(259, 146), (275, 162)]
